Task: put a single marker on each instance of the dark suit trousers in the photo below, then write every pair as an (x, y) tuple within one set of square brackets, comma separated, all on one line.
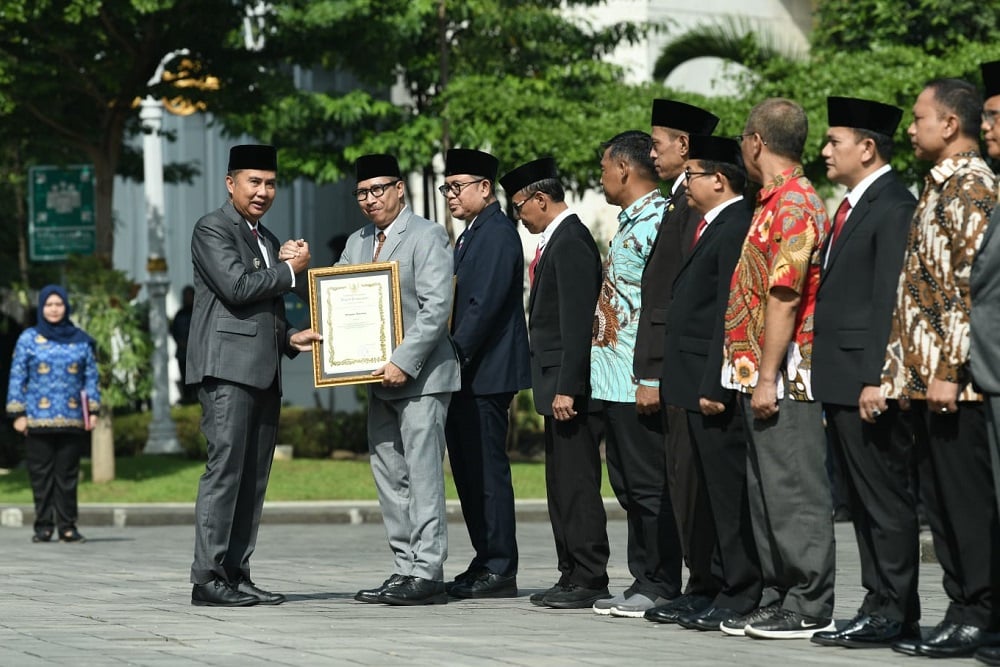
[(993, 426), (573, 488), (691, 507), (720, 446), (476, 431), (53, 462), (638, 475), (878, 459), (957, 486), (241, 425)]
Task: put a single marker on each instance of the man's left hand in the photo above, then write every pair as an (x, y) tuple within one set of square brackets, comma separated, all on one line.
[(942, 396), (647, 400), (764, 401), (392, 375), (303, 340)]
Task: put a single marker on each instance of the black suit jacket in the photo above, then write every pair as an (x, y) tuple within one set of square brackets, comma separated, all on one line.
[(692, 359), (664, 262), (857, 292), (561, 315), (488, 322)]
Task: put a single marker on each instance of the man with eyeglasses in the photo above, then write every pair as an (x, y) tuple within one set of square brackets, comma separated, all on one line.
[(672, 124), (984, 320), (927, 362), (408, 408), (491, 337), (715, 180), (767, 359), (862, 258), (565, 279)]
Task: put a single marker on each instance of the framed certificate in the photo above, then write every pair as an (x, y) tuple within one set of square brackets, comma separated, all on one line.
[(356, 309)]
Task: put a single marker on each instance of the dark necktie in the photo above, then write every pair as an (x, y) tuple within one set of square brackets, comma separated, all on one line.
[(534, 263), (698, 231), (839, 219), (380, 237)]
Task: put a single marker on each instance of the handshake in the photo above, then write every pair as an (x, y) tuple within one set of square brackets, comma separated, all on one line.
[(296, 253)]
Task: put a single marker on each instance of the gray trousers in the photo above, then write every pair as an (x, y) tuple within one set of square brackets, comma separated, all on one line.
[(993, 433), (407, 442), (791, 507)]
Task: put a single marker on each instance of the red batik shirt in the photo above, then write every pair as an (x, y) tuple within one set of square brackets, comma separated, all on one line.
[(782, 249)]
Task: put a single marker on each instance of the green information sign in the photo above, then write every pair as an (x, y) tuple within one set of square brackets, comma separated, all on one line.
[(61, 212)]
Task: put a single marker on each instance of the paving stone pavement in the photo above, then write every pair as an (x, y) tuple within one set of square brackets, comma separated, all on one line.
[(122, 598)]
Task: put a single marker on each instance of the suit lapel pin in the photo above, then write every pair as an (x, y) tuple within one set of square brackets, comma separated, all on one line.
[(256, 262)]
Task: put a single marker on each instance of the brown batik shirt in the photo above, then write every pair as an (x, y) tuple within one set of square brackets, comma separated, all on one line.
[(930, 324)]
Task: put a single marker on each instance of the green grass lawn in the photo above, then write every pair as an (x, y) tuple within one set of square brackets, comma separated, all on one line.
[(149, 479)]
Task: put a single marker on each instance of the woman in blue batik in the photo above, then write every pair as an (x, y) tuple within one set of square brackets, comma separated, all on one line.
[(53, 399)]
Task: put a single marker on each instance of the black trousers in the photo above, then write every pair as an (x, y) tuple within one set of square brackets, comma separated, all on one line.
[(638, 474), (691, 506), (241, 425), (957, 486), (877, 460), (53, 461), (476, 432), (720, 447), (573, 488)]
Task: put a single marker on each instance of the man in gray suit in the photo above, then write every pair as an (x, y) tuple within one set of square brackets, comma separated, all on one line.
[(406, 412), (238, 334)]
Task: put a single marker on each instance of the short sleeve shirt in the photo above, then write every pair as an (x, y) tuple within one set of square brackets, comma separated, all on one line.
[(782, 249), (616, 319)]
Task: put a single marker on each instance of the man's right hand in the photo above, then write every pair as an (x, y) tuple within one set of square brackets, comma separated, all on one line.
[(297, 254), (562, 408)]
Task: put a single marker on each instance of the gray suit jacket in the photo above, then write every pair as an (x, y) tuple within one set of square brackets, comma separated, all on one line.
[(984, 322), (425, 281), (238, 327)]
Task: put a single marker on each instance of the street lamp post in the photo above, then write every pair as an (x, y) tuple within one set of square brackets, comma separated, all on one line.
[(162, 432)]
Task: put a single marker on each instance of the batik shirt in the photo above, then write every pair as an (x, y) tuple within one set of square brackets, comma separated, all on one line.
[(616, 319), (782, 249), (930, 324)]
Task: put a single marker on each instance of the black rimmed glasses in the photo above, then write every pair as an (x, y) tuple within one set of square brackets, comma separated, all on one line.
[(375, 191), (688, 174), (990, 117), (456, 188), (739, 137), (518, 205)]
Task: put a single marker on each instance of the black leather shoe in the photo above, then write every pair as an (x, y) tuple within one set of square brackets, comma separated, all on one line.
[(707, 619), (952, 640), (218, 593), (486, 585), (572, 596), (415, 591), (907, 646), (868, 631), (681, 605), (470, 574), (988, 655), (247, 587), (371, 595), (537, 599)]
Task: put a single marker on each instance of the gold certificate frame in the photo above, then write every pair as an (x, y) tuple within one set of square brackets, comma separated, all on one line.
[(356, 309)]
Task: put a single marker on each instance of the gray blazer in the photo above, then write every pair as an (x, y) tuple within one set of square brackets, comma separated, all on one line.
[(238, 327), (425, 281), (984, 322)]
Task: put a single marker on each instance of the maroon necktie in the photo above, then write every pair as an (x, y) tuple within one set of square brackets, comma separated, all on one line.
[(534, 263), (698, 231), (380, 237), (839, 219)]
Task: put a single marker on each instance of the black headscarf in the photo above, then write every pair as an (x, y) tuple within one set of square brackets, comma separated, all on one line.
[(63, 331)]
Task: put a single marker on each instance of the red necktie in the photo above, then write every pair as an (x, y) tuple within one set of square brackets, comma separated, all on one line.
[(534, 263), (380, 237), (698, 231), (839, 219)]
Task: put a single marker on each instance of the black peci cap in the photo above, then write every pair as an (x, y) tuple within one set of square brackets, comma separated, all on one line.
[(714, 149), (474, 163), (528, 173), (991, 78), (684, 117), (253, 156), (373, 166), (863, 115)]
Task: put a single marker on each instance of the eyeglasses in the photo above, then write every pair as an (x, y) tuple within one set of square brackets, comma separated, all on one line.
[(990, 117), (376, 190), (456, 188), (519, 205), (739, 137), (688, 174)]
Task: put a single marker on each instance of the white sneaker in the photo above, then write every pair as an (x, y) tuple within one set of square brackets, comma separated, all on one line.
[(636, 606), (603, 607)]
